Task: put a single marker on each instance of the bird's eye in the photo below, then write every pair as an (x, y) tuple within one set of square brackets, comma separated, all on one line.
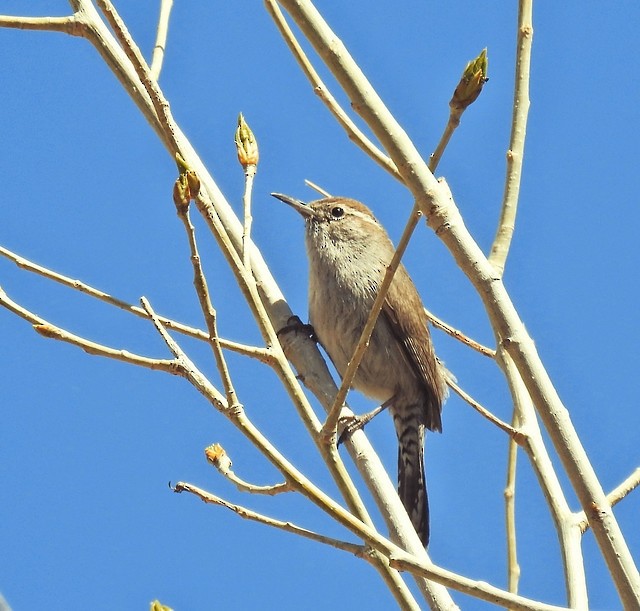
[(337, 212)]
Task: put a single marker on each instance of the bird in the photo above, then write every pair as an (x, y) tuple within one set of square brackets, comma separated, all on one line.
[(349, 252)]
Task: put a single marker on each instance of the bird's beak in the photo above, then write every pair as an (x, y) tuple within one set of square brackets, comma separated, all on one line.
[(299, 205)]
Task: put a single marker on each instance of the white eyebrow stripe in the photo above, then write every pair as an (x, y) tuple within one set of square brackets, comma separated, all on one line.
[(365, 217)]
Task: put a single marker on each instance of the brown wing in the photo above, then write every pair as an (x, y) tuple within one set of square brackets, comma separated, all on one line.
[(413, 334)]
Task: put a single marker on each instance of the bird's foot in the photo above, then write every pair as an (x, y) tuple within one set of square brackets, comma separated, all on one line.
[(351, 424), (295, 325)]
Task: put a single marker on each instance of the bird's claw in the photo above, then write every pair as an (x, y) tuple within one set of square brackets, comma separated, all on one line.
[(349, 425), (295, 325)]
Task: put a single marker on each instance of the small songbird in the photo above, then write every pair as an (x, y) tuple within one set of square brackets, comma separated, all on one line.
[(349, 252)]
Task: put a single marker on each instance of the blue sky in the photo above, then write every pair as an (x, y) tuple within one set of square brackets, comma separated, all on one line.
[(87, 445)]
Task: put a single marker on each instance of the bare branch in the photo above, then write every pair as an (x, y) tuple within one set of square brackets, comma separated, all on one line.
[(317, 188), (564, 521), (515, 434), (161, 38), (358, 550), (51, 331), (466, 92), (515, 154), (478, 589), (68, 25), (513, 568), (440, 324), (614, 497), (320, 89), (262, 354), (217, 457), (141, 68), (247, 148), (202, 290)]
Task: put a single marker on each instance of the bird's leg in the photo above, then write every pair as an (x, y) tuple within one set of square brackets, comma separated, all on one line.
[(355, 423), (295, 325)]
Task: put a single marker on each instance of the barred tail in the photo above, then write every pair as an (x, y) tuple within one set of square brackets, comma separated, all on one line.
[(412, 487)]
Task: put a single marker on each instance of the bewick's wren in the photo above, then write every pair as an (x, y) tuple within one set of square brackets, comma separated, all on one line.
[(349, 252)]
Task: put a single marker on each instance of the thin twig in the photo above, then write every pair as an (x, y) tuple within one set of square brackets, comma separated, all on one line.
[(262, 354), (478, 589), (614, 497), (515, 154), (450, 127), (248, 156), (51, 331), (269, 490), (208, 311), (161, 38), (248, 514), (515, 434), (568, 534), (134, 55), (440, 324), (188, 369), (317, 188), (354, 133), (365, 530), (69, 25), (217, 456), (249, 174), (466, 93), (398, 559), (513, 567)]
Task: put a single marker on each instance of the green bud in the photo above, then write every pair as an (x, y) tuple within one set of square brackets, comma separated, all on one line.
[(181, 193), (473, 79), (182, 164), (246, 144), (194, 183)]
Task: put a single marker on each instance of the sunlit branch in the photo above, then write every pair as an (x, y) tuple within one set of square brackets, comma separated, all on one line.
[(217, 457), (478, 589), (161, 38), (515, 434), (320, 89), (248, 514), (564, 520), (68, 25), (515, 154), (317, 188), (51, 331), (466, 93), (201, 285), (262, 354), (440, 324), (513, 567), (614, 497), (248, 156)]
